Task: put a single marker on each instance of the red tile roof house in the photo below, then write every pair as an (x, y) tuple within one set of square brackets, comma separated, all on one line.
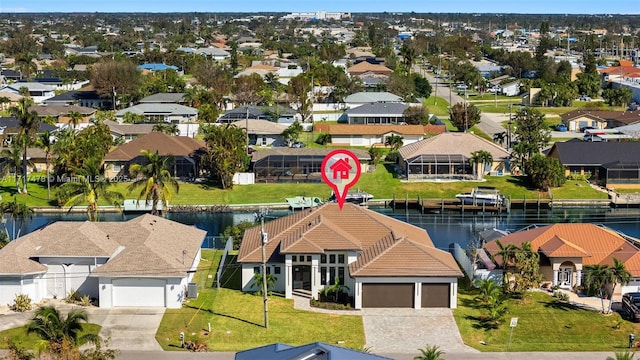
[(566, 248), (144, 262), (385, 262)]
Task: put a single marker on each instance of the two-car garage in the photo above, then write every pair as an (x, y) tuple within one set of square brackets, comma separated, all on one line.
[(404, 295), (139, 292)]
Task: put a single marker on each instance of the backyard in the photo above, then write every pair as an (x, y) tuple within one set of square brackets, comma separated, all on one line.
[(237, 321), (381, 182)]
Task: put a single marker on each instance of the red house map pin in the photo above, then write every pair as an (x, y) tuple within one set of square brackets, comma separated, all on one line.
[(340, 170)]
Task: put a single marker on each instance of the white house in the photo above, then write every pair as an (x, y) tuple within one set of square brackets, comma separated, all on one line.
[(370, 135), (144, 262), (384, 262), (161, 112), (38, 92), (511, 89)]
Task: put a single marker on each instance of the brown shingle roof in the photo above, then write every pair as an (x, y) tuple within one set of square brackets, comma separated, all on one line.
[(594, 244), (145, 246), (453, 143), (165, 145), (386, 246), (59, 110), (354, 129), (625, 117)]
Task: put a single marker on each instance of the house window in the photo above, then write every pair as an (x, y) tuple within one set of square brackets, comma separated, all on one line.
[(332, 275), (323, 259), (268, 270), (308, 258), (341, 259), (117, 167), (341, 275), (276, 270), (323, 275), (332, 259), (256, 269), (294, 258)]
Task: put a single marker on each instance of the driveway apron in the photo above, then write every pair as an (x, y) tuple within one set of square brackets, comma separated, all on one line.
[(401, 331), (132, 328)]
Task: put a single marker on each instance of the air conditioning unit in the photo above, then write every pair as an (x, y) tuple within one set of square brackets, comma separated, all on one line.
[(192, 290)]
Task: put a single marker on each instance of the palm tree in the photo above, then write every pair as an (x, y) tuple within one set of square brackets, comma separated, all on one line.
[(74, 119), (394, 142), (169, 129), (154, 180), (595, 276), (479, 159), (618, 275), (12, 161), (45, 143), (507, 254), (490, 292), (29, 123), (257, 281), (336, 289), (19, 213), (90, 187), (429, 353), (499, 138), (51, 326)]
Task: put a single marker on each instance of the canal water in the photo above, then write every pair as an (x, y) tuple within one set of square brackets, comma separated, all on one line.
[(444, 228)]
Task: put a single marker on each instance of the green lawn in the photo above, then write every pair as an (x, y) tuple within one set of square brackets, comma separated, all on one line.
[(382, 183), (543, 325), (31, 341), (237, 319)]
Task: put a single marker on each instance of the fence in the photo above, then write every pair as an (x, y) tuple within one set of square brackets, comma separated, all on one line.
[(461, 257), (214, 242), (228, 247)]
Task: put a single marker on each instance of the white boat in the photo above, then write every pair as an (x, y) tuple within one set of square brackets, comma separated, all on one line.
[(357, 197), (482, 195), (303, 202)]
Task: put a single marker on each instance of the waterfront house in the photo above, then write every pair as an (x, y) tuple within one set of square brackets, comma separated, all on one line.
[(184, 151), (609, 164), (448, 156), (376, 135), (384, 262), (317, 350), (377, 113), (144, 262), (566, 248), (262, 132), (577, 120)]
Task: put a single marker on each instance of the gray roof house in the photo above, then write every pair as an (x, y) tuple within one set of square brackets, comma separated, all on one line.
[(128, 132), (164, 98), (365, 97), (144, 262), (376, 113), (317, 350), (262, 132), (172, 113), (83, 98), (38, 92)]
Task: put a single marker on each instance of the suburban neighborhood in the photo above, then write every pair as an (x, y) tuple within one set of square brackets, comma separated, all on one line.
[(164, 185)]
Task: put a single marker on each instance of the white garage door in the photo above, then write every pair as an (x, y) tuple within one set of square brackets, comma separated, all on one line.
[(138, 292), (9, 288)]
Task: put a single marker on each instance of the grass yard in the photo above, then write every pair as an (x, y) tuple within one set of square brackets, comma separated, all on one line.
[(31, 341), (544, 324), (237, 320), (382, 183)]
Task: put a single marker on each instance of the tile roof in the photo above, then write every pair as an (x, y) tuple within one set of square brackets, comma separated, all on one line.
[(362, 155), (594, 244), (165, 145), (453, 143), (383, 244), (164, 98), (129, 129), (594, 153), (158, 108), (369, 97), (145, 246)]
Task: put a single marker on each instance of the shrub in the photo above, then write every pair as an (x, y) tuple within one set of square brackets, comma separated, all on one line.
[(72, 297), (392, 157), (323, 139), (21, 303), (85, 300)]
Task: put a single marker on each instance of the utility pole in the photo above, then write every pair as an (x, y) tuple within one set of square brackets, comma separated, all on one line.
[(264, 236), (246, 126)]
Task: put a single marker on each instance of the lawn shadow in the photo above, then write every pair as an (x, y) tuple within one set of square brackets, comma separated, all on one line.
[(564, 306), (231, 277), (521, 181), (223, 315), (482, 323), (391, 169)]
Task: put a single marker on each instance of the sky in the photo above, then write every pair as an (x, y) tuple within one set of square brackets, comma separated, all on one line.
[(420, 6)]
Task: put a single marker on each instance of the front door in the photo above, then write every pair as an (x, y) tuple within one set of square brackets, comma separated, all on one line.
[(302, 277), (565, 275)]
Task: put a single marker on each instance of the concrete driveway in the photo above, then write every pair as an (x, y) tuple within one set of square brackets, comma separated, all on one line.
[(402, 331), (129, 328)]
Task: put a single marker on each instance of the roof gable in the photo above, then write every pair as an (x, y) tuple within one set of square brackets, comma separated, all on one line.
[(165, 145)]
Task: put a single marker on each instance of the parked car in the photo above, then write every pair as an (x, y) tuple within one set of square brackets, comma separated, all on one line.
[(592, 138), (461, 87), (584, 98), (561, 127), (631, 305), (298, 144), (250, 150)]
